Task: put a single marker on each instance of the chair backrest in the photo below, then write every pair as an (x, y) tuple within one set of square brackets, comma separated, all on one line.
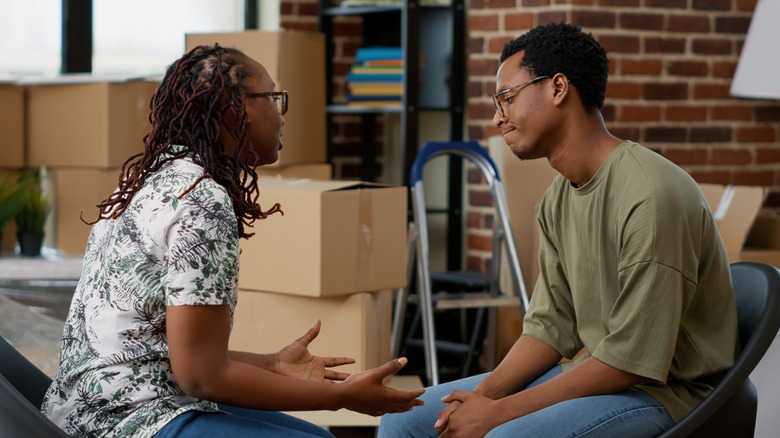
[(730, 410), (22, 387), (22, 374)]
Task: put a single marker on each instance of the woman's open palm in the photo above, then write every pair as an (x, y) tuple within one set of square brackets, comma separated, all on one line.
[(296, 361)]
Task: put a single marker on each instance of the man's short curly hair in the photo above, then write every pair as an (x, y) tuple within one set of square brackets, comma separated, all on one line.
[(565, 48)]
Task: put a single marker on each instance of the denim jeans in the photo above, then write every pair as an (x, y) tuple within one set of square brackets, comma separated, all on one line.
[(629, 414), (234, 422)]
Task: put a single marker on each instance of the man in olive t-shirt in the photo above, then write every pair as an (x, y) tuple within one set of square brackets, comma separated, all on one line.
[(634, 285)]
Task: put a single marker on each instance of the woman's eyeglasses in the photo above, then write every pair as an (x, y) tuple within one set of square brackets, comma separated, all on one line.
[(279, 98)]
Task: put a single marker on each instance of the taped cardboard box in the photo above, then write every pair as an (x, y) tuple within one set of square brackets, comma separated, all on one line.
[(335, 238), (356, 325), (11, 126), (296, 63), (87, 121), (77, 191)]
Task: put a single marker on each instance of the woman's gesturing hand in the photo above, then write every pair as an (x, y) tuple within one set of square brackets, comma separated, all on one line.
[(296, 361), (366, 393)]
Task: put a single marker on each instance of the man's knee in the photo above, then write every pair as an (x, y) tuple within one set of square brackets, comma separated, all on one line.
[(415, 423)]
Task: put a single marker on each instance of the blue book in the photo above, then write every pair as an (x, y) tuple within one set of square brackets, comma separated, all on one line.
[(373, 98), (373, 77), (378, 52)]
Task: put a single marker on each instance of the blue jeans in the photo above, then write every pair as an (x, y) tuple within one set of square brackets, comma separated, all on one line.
[(234, 422), (629, 414)]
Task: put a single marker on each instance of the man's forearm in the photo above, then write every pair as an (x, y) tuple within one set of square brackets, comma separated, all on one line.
[(591, 377), (527, 359)]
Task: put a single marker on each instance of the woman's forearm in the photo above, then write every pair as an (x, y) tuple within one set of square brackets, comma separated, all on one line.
[(268, 361)]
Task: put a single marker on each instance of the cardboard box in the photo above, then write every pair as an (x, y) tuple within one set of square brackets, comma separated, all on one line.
[(335, 238), (734, 208), (525, 182), (356, 326), (317, 171), (763, 242), (77, 191), (11, 126), (296, 63), (87, 122)]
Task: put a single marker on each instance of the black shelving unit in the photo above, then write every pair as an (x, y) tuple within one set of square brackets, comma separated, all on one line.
[(436, 32)]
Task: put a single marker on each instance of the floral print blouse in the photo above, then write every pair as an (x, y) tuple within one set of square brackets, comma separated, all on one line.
[(170, 247)]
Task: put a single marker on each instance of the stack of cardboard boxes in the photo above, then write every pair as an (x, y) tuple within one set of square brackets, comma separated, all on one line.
[(83, 128), (334, 255)]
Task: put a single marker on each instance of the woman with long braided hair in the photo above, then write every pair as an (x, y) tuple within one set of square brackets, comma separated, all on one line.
[(145, 346)]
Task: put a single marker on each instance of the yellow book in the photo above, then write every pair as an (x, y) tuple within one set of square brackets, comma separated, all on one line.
[(374, 104), (383, 89)]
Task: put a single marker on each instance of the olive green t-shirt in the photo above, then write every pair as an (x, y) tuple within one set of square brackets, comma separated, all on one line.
[(634, 272)]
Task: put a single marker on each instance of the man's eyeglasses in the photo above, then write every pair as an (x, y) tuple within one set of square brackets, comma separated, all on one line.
[(502, 96), (279, 98)]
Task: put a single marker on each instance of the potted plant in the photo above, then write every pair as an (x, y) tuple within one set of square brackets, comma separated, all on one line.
[(31, 219), (13, 197)]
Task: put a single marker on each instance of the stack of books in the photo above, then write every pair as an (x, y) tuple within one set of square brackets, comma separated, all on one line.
[(376, 80)]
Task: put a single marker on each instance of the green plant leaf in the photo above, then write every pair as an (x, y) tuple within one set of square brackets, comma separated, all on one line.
[(32, 216)]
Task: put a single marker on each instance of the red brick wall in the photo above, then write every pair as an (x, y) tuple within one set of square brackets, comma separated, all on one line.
[(671, 64)]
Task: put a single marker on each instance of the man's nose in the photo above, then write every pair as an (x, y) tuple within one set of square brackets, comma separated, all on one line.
[(498, 119)]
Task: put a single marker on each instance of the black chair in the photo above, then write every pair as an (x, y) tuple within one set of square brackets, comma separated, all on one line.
[(730, 410), (22, 387)]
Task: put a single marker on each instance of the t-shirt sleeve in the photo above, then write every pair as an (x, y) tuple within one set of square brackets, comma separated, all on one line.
[(645, 321), (202, 249)]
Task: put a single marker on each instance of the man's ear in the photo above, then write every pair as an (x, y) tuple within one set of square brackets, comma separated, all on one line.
[(561, 88)]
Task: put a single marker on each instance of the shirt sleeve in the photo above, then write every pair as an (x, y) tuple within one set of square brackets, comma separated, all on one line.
[(644, 322), (203, 250)]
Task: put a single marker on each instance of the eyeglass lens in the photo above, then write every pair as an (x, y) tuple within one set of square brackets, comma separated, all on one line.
[(280, 101)]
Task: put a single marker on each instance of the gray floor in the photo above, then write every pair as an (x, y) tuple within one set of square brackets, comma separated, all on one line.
[(35, 335)]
